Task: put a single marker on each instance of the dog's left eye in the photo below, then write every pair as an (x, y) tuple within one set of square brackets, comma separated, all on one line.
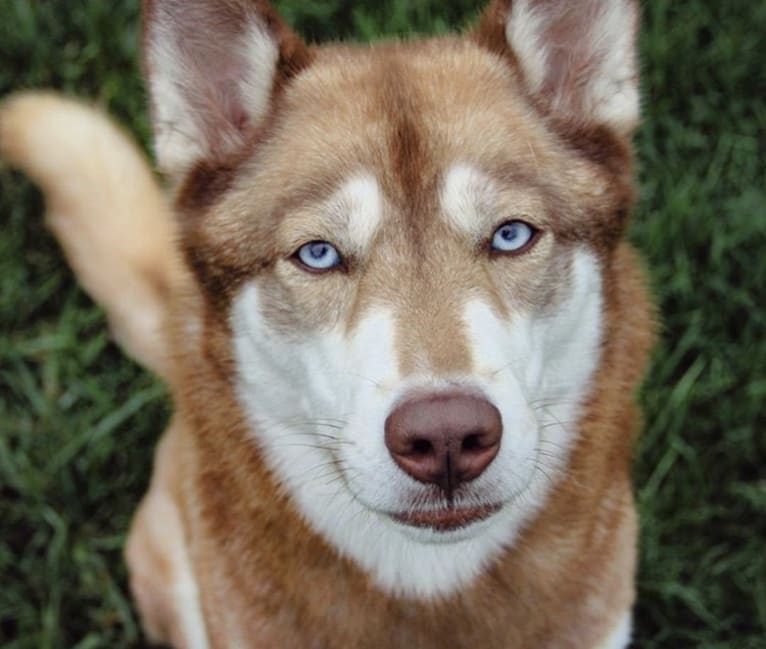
[(513, 236), (319, 256)]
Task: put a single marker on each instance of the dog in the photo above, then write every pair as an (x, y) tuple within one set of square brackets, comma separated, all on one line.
[(393, 302)]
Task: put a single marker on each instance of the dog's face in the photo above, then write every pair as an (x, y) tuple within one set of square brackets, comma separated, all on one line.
[(401, 253)]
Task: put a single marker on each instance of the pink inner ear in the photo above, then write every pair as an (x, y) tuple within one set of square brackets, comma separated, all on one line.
[(573, 52), (209, 82), (214, 54), (571, 60), (217, 102), (213, 66)]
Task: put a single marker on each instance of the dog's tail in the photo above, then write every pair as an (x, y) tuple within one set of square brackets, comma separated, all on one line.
[(106, 209)]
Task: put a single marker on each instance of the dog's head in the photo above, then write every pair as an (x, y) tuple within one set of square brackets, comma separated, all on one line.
[(401, 252)]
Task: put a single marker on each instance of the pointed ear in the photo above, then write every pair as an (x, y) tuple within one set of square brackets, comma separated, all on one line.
[(577, 58), (213, 68)]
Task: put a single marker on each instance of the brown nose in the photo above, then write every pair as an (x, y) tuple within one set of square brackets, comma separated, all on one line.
[(444, 439)]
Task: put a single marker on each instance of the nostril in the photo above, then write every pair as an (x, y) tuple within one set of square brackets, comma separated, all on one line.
[(422, 447), (472, 443)]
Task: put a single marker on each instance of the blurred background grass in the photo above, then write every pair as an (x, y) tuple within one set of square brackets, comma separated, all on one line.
[(78, 421)]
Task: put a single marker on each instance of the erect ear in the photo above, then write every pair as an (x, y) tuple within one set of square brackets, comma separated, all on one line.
[(577, 57), (213, 68)]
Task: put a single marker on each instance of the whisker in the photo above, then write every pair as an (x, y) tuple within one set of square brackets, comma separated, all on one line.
[(559, 424), (359, 376), (541, 404)]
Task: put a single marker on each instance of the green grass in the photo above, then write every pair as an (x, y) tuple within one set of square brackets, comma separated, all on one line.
[(78, 421)]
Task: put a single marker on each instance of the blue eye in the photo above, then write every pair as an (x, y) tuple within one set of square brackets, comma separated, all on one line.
[(512, 236), (319, 255)]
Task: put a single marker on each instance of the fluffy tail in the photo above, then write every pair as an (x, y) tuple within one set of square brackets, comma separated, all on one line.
[(106, 209)]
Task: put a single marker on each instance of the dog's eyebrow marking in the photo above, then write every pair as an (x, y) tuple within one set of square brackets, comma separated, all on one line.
[(474, 201), (358, 200), (467, 198)]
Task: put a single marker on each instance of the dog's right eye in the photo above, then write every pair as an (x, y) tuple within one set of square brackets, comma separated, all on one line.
[(513, 237), (318, 256)]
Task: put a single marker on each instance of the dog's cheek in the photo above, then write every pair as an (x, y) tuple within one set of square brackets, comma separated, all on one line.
[(569, 344), (279, 357), (537, 365), (505, 359), (316, 403), (294, 363)]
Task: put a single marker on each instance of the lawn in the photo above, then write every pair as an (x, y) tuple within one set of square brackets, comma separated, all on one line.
[(78, 421)]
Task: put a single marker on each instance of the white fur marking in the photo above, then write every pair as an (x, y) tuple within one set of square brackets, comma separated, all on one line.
[(465, 191), (189, 610), (620, 638), (354, 380), (360, 202)]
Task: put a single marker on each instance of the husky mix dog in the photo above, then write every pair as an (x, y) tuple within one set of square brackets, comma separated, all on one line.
[(391, 297)]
